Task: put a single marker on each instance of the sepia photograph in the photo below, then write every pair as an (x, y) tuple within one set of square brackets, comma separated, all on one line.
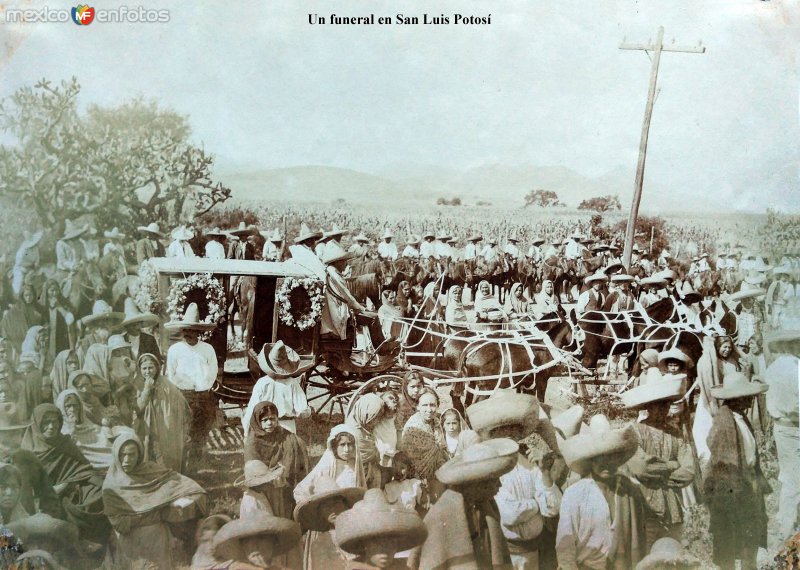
[(403, 285)]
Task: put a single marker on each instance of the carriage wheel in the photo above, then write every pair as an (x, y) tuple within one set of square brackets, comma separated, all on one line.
[(376, 384), (325, 390)]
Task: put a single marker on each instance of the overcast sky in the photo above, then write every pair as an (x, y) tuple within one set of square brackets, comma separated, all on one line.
[(544, 84)]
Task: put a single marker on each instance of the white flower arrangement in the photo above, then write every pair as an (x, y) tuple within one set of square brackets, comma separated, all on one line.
[(302, 317), (146, 297), (216, 301)]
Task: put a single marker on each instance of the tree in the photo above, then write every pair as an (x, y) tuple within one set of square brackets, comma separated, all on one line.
[(542, 198), (644, 225), (601, 204), (128, 165)]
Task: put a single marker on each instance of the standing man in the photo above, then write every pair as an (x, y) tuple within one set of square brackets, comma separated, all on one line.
[(272, 247), (180, 245), (192, 367), (592, 299), (214, 248), (386, 249), (141, 342), (149, 246)]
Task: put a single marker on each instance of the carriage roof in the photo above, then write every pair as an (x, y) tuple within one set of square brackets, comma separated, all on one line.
[(185, 265)]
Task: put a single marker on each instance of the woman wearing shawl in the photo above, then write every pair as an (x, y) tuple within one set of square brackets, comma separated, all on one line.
[(545, 301), (89, 437), (390, 314), (21, 316), (453, 425), (33, 364), (487, 308), (58, 319), (140, 498), (517, 306), (364, 416), (339, 462), (454, 314), (267, 441), (70, 473), (405, 299), (423, 439), (385, 428), (81, 381), (165, 414), (66, 362), (412, 387), (95, 363)]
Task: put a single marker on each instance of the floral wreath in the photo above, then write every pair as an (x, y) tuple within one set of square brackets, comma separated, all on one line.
[(300, 302), (214, 294), (146, 296)]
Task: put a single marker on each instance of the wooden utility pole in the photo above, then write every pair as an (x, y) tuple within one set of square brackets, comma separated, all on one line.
[(656, 48)]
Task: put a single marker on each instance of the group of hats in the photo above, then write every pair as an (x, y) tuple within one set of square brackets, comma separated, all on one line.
[(103, 314)]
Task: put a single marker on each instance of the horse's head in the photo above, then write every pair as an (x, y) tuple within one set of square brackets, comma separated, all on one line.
[(663, 311)]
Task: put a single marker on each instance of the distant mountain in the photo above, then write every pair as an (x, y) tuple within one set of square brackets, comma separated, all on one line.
[(502, 185)]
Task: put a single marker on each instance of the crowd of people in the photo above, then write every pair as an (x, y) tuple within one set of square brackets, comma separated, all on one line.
[(103, 427)]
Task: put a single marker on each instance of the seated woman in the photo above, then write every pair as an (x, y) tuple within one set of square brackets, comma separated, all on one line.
[(487, 308), (70, 473), (454, 313), (390, 314), (81, 381), (141, 499), (545, 301), (165, 414), (281, 452), (423, 439), (517, 306), (338, 462), (66, 363), (90, 438), (364, 416)]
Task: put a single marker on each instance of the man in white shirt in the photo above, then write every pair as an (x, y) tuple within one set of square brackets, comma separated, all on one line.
[(535, 252), (471, 249), (411, 251), (574, 248), (427, 248), (702, 263), (214, 248), (303, 251), (490, 253), (69, 251), (192, 367), (592, 299), (386, 249), (180, 246), (441, 245), (511, 248), (272, 247), (360, 247)]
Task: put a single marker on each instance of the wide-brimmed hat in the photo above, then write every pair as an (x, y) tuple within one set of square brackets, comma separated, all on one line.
[(648, 281), (429, 234), (675, 353), (665, 254), (102, 312), (278, 358), (361, 237), (613, 268), (599, 276), (151, 228), (256, 473), (600, 247), (217, 232), (11, 417), (443, 234), (480, 462), (505, 408), (688, 295), (746, 294), (72, 230), (182, 233), (737, 385), (284, 533), (655, 387), (306, 233), (413, 240), (114, 234), (492, 240), (190, 320), (759, 265), (576, 235), (134, 316), (754, 278), (782, 270), (387, 234), (335, 231), (622, 278), (784, 342), (374, 518), (695, 258), (116, 341), (244, 230), (307, 512), (567, 422), (537, 241), (475, 237), (335, 252), (666, 275), (596, 440), (512, 236), (667, 553), (215, 521)]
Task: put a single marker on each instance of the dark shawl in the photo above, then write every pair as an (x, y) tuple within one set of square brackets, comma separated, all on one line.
[(280, 447), (406, 407)]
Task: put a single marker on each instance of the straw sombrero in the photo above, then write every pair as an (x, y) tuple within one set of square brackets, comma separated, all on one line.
[(622, 278), (114, 234), (102, 313), (335, 231), (443, 235), (387, 234), (243, 230), (675, 353), (429, 234), (755, 278), (598, 439), (655, 389), (361, 237), (538, 241), (475, 237), (279, 359), (335, 252), (567, 422), (307, 512), (134, 316), (374, 518), (152, 228), (413, 240), (747, 294), (668, 553), (647, 281), (505, 408), (306, 233), (284, 533), (217, 232), (31, 239), (190, 320), (41, 527), (72, 230), (615, 267), (512, 236), (596, 277), (737, 385), (480, 462), (784, 342), (666, 275)]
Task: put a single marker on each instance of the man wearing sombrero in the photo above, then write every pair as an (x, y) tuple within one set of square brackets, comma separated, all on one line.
[(272, 246), (149, 245), (427, 249), (411, 251), (69, 252), (592, 299), (471, 249), (180, 246), (386, 249), (214, 248), (192, 367), (601, 522), (132, 325), (303, 251)]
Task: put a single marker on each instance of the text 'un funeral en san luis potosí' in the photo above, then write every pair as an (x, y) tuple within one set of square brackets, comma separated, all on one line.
[(401, 19)]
